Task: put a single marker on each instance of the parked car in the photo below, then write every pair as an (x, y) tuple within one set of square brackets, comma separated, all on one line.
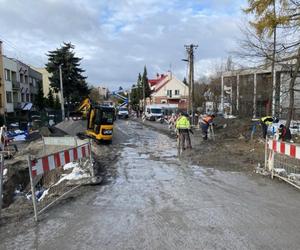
[(123, 113)]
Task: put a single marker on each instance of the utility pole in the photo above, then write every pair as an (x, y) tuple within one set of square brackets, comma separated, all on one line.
[(143, 95), (190, 51), (62, 94)]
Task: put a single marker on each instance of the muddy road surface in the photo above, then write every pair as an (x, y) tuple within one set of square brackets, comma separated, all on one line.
[(157, 201)]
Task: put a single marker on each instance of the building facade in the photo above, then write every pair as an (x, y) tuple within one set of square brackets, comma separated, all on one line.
[(20, 84), (167, 89), (46, 82), (11, 84), (254, 93), (2, 91)]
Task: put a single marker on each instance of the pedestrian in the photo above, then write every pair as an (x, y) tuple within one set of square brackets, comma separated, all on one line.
[(284, 133), (204, 122), (183, 127), (265, 122)]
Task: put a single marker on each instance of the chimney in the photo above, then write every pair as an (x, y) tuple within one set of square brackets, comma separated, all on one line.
[(157, 75)]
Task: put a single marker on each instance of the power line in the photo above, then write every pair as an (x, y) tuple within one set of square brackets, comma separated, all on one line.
[(18, 54)]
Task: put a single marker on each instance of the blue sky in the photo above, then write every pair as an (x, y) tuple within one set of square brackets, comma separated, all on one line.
[(116, 38)]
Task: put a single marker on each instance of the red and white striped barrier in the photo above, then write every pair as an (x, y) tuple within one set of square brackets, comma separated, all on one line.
[(56, 160), (288, 149)]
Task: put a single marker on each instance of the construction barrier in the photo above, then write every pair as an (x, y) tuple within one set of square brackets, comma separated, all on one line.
[(282, 159), (39, 166), (1, 179)]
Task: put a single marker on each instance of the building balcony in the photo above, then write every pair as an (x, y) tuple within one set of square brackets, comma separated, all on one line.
[(17, 105), (15, 85), (175, 97)]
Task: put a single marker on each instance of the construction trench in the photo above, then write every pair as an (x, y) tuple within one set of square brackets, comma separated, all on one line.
[(210, 198)]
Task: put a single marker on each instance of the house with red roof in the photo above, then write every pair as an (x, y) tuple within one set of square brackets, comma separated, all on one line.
[(167, 89)]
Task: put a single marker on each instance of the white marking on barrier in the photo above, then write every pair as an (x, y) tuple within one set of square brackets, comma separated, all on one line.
[(62, 158), (298, 152), (52, 164), (288, 149), (79, 152), (38, 167)]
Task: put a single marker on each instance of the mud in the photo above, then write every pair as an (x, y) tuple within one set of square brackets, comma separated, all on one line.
[(158, 201), (232, 149)]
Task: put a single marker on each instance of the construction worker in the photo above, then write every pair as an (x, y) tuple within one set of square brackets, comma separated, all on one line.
[(284, 133), (265, 122), (183, 127), (204, 122)]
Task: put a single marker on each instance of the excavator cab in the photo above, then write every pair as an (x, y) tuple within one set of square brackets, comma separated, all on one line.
[(100, 120)]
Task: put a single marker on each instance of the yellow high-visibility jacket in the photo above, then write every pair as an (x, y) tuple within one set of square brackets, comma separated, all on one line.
[(268, 120), (183, 123)]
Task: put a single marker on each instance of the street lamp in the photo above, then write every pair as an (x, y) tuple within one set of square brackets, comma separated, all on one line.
[(62, 94)]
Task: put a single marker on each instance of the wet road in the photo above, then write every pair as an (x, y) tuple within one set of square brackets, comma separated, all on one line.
[(159, 202)]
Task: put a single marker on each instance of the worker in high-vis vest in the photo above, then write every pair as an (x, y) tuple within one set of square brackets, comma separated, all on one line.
[(265, 122), (204, 122), (183, 127)]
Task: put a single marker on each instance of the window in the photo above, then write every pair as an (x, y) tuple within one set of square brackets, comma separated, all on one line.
[(26, 79), (13, 76), (22, 97), (169, 92), (8, 97), (30, 80), (27, 97), (176, 91), (7, 75), (21, 78)]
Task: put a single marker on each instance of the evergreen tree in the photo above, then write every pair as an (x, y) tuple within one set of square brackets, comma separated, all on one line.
[(74, 84), (139, 87), (145, 83), (57, 103), (50, 99), (40, 100)]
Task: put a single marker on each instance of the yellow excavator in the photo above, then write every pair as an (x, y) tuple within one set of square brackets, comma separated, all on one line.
[(100, 120)]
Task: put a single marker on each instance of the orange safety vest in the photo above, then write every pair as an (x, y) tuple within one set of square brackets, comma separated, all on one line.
[(207, 119)]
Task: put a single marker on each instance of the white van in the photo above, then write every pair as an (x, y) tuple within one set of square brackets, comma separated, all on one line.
[(153, 112)]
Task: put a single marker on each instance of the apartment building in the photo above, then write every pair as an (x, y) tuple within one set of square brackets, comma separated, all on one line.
[(21, 83), (46, 82), (2, 92), (11, 84)]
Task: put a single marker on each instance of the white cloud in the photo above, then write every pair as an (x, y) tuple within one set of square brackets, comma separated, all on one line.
[(117, 38)]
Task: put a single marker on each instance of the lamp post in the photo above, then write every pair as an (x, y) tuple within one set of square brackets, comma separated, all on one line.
[(62, 94)]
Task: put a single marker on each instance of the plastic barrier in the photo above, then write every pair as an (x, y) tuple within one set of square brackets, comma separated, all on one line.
[(38, 166), (282, 159)]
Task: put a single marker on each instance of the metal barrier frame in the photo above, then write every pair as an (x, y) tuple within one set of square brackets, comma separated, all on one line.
[(34, 200), (1, 179), (270, 157)]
